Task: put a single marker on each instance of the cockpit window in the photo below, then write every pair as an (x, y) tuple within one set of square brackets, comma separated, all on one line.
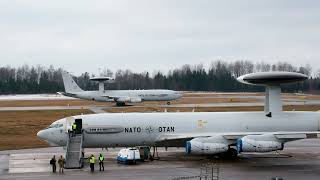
[(55, 126)]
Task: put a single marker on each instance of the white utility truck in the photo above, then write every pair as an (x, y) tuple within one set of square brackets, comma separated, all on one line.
[(128, 156)]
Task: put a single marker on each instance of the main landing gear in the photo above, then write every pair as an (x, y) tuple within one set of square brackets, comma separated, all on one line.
[(230, 154), (121, 104), (154, 155)]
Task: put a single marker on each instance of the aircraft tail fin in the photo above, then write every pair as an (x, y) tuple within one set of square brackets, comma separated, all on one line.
[(70, 85)]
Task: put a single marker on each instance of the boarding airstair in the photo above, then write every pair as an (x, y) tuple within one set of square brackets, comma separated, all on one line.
[(74, 154)]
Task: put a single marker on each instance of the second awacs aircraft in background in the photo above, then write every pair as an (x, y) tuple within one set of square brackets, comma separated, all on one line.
[(119, 96)]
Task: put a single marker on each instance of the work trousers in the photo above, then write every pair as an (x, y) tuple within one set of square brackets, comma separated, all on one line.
[(60, 168), (101, 165), (92, 167), (54, 168)]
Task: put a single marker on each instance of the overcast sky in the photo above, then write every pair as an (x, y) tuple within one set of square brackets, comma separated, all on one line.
[(145, 35)]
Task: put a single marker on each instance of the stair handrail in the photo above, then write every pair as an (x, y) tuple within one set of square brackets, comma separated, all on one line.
[(81, 151), (68, 142)]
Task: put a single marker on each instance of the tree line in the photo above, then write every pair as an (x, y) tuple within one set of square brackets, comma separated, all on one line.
[(219, 76)]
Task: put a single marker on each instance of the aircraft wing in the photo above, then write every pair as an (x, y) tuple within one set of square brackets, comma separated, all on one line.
[(111, 97), (231, 138), (168, 138), (133, 99), (118, 98), (66, 94), (286, 136)]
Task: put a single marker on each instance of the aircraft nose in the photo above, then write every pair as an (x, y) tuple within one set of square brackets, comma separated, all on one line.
[(42, 135)]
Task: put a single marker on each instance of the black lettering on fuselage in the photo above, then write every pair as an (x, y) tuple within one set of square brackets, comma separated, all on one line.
[(166, 129), (132, 130)]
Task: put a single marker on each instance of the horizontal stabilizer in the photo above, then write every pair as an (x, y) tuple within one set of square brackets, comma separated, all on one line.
[(66, 94)]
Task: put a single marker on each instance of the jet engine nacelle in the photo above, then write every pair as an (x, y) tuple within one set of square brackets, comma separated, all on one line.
[(205, 148), (135, 100), (129, 99), (123, 99), (247, 144)]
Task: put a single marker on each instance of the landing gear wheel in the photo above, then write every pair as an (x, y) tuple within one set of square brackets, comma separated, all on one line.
[(230, 154), (168, 103), (121, 103)]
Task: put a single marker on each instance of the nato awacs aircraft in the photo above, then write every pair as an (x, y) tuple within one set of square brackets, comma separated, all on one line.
[(206, 133), (119, 96)]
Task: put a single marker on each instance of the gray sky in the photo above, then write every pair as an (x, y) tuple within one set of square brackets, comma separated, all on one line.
[(145, 35)]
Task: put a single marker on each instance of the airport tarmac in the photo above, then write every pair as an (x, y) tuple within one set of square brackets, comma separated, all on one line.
[(299, 160), (18, 97)]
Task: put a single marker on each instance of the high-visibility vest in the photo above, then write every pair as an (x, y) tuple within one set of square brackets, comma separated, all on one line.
[(92, 160), (101, 158), (74, 126)]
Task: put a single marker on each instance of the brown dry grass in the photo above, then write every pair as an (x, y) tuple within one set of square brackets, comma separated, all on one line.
[(19, 128), (201, 100), (284, 95), (213, 100), (187, 94), (209, 109), (182, 109), (301, 97)]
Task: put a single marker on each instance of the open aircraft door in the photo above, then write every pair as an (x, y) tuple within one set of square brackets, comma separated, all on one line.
[(79, 126), (319, 124)]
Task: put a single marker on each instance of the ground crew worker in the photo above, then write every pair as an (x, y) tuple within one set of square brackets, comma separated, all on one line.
[(74, 128), (101, 159), (53, 164), (61, 163), (92, 161)]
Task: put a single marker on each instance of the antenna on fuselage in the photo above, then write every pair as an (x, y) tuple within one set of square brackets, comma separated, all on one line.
[(272, 82)]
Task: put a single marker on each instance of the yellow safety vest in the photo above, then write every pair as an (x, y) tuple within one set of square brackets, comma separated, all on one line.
[(101, 158), (74, 126), (92, 160)]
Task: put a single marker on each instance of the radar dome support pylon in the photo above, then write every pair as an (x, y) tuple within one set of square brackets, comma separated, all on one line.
[(101, 81), (273, 101)]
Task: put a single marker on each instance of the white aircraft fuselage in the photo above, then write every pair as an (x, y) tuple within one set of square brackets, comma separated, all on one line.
[(139, 129), (145, 95)]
